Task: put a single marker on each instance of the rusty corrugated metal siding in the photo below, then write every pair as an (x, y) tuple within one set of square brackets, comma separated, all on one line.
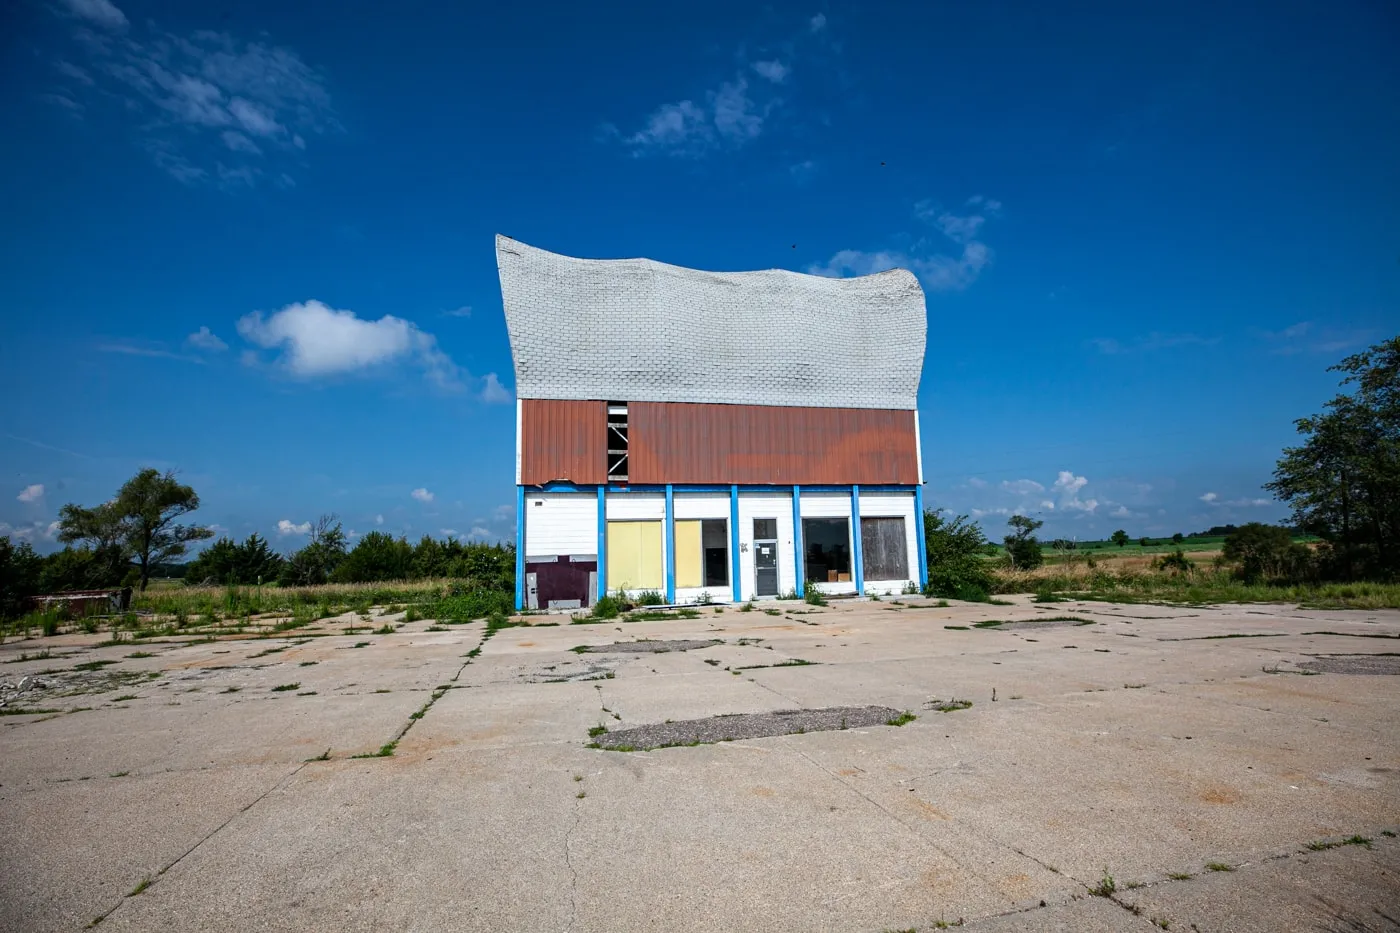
[(563, 440), (679, 442)]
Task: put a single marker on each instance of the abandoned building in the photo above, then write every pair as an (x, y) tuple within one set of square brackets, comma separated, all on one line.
[(712, 436)]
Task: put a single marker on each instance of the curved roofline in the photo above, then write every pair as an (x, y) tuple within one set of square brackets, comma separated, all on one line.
[(644, 330)]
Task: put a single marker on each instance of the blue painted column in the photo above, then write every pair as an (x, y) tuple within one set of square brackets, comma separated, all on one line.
[(670, 545), (919, 528), (519, 548), (735, 589), (797, 538), (602, 541), (857, 556)]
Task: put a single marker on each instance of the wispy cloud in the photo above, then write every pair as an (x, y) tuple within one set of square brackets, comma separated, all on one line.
[(492, 391), (1022, 487), (774, 71), (207, 106), (149, 349), (205, 339), (463, 311), (817, 23), (98, 12), (726, 118), (1244, 502), (312, 340), (1147, 343), (939, 271), (1307, 337)]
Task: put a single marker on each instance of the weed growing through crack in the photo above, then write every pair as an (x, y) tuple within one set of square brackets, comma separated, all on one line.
[(143, 885), (1323, 846), (596, 731), (360, 644), (902, 719), (958, 628), (385, 629), (283, 688), (1180, 875), (230, 689), (385, 751), (578, 777), (1219, 866), (124, 697), (307, 663), (580, 795), (324, 756), (1105, 887), (949, 706), (141, 654), (92, 665), (119, 774)]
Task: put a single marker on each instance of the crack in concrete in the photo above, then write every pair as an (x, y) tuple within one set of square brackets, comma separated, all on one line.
[(569, 863), (277, 785)]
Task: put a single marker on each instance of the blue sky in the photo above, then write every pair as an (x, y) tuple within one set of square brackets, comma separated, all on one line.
[(253, 242)]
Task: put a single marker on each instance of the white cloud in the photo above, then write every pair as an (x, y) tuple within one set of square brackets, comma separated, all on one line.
[(205, 339), (100, 12), (51, 530), (422, 495), (317, 340), (1022, 487), (379, 519), (448, 532), (938, 271), (492, 391), (728, 119), (1212, 499), (1121, 511), (31, 493), (1209, 497), (774, 71), (817, 23), (1047, 505), (504, 512), (976, 482), (198, 102), (981, 513), (1067, 487), (479, 533), (285, 527)]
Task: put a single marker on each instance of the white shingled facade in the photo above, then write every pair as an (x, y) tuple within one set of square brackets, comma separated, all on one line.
[(640, 330)]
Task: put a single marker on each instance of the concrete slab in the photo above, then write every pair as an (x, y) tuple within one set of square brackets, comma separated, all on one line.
[(1139, 745)]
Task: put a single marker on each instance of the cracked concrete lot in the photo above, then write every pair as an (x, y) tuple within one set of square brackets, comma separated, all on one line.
[(1208, 776)]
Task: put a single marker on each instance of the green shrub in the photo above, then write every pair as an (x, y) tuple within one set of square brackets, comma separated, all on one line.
[(650, 598), (608, 607), (1175, 562), (814, 596), (957, 565)]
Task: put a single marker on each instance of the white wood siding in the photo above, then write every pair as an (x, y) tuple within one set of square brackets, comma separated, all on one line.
[(636, 506), (700, 505), (765, 505), (558, 523), (826, 504)]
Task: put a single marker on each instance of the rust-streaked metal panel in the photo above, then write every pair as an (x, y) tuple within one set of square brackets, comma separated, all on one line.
[(679, 442), (563, 440)]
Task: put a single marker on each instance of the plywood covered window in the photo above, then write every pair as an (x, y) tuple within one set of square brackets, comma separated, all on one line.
[(702, 553), (884, 549), (634, 556)]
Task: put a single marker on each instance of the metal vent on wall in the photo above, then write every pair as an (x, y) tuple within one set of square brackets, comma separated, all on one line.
[(617, 442)]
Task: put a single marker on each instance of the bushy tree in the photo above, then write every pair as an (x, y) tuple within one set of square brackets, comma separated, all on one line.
[(956, 548), (83, 568), (376, 556), (1022, 546), (224, 562), (19, 577), (1178, 538), (1144, 541), (315, 562), (139, 523), (1266, 553), (1119, 537), (1343, 481)]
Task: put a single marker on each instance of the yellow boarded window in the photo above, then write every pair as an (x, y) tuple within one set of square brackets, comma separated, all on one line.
[(690, 563), (634, 556)]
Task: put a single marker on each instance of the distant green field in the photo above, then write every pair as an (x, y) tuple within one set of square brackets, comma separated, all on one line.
[(1205, 544)]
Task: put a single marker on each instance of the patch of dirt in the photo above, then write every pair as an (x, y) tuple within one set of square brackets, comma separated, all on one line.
[(1354, 664), (746, 726), (651, 647)]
